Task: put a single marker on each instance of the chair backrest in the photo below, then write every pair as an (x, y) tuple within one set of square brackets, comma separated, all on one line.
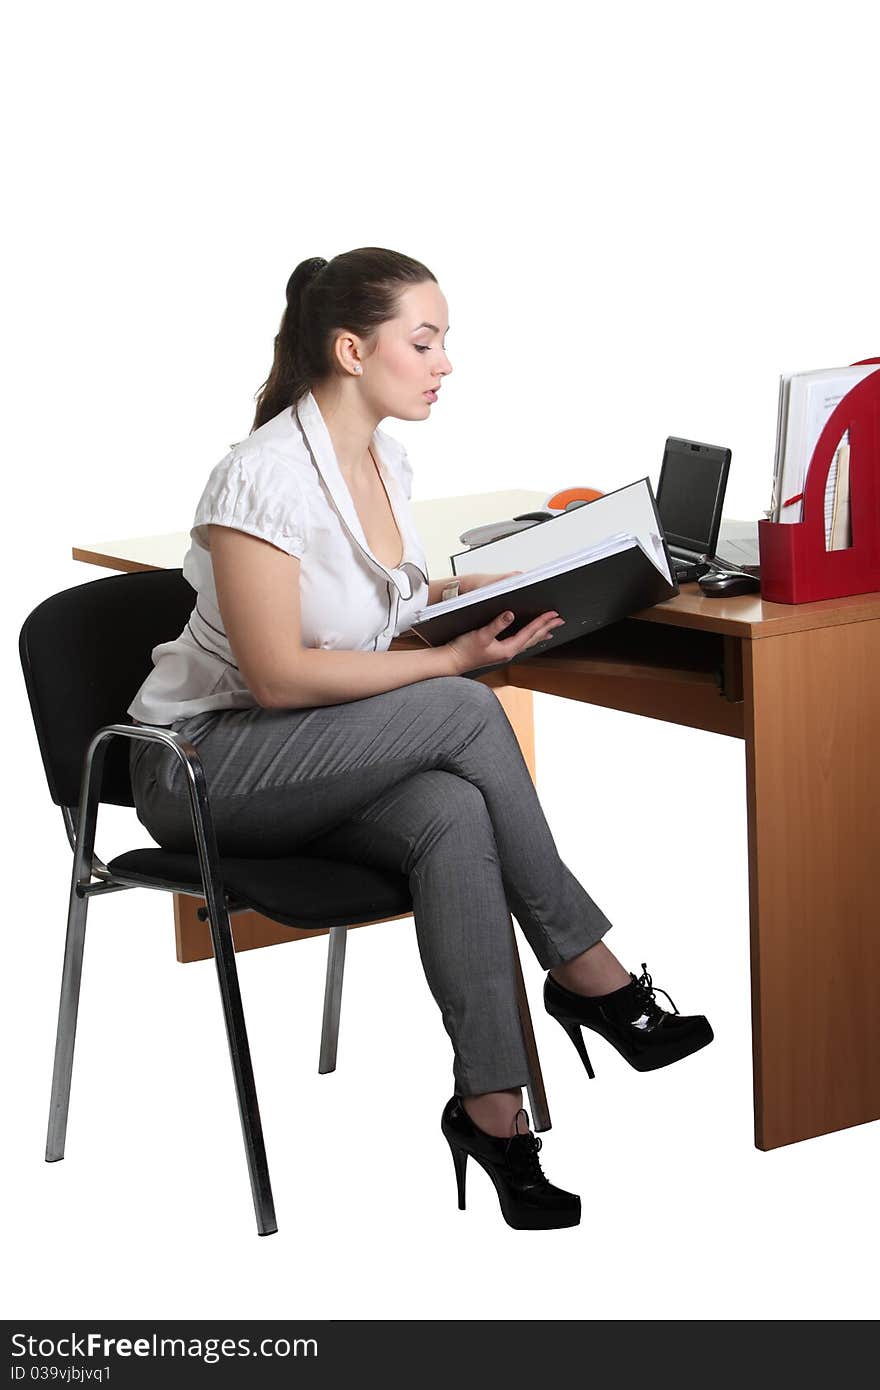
[(85, 652)]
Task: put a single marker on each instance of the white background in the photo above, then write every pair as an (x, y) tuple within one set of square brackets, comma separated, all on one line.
[(639, 214)]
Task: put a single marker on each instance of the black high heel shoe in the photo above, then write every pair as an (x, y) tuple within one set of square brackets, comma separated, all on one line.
[(631, 1020), (528, 1201)]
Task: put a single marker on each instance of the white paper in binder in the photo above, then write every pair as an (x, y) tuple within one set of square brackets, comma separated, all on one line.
[(630, 510)]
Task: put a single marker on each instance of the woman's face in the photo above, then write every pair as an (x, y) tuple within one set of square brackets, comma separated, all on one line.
[(409, 358)]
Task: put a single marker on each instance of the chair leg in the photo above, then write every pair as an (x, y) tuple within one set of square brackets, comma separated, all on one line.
[(230, 994), (332, 999), (242, 1069), (65, 1037), (535, 1085), (221, 940)]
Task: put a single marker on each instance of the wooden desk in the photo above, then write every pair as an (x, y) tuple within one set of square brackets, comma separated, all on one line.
[(798, 685)]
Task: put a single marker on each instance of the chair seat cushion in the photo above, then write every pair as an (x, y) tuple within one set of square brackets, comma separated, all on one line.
[(298, 892)]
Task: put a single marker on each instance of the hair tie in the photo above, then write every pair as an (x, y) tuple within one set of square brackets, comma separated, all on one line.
[(305, 274), (316, 265)]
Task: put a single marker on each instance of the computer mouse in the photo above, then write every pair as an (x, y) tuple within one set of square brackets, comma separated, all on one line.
[(723, 584)]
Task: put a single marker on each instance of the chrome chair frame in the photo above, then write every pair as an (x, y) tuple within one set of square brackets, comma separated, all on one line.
[(81, 827), (91, 877)]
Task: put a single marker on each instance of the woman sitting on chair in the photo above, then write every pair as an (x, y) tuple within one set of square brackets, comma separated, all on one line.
[(306, 563)]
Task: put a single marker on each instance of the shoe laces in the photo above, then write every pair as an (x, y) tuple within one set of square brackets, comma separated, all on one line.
[(646, 990), (522, 1151)]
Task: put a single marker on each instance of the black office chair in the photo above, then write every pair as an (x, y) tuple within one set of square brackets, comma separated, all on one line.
[(84, 653)]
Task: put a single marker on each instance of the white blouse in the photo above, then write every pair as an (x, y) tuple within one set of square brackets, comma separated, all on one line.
[(284, 484)]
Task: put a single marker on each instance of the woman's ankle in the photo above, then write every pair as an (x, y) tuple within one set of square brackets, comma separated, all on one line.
[(496, 1112), (594, 972)]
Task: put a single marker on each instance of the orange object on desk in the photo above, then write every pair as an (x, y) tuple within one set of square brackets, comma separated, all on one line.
[(560, 500)]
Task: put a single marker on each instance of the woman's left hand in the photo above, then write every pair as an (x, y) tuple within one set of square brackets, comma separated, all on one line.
[(467, 582)]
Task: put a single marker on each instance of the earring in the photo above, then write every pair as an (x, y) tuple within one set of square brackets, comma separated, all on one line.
[(359, 370)]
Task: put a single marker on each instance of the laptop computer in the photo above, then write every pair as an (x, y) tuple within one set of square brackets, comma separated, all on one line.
[(690, 501)]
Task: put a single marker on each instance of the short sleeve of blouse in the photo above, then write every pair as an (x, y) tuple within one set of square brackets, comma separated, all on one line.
[(254, 492)]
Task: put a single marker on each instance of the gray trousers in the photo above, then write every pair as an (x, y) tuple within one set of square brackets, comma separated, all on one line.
[(426, 780)]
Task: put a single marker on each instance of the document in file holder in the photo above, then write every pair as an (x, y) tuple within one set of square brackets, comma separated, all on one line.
[(594, 567)]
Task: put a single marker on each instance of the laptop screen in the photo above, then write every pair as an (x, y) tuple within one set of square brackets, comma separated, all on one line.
[(690, 495)]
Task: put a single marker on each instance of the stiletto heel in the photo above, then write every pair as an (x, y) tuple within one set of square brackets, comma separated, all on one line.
[(459, 1158), (630, 1019), (574, 1032), (528, 1201)]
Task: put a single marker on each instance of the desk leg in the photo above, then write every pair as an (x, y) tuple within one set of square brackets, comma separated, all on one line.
[(519, 706), (813, 766)]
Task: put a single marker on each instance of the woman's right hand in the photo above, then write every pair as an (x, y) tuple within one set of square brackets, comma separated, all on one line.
[(483, 646)]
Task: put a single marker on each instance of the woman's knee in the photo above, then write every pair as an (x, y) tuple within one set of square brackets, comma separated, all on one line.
[(451, 809), (463, 698), (475, 692)]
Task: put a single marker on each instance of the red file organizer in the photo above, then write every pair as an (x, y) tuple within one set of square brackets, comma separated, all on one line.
[(795, 566)]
